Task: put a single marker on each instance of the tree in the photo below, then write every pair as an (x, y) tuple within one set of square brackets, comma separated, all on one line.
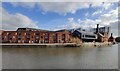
[(117, 39)]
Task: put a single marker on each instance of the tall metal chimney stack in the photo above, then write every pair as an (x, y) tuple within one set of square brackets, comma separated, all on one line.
[(97, 29)]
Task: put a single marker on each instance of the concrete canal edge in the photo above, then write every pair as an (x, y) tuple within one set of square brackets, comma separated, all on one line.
[(89, 44)]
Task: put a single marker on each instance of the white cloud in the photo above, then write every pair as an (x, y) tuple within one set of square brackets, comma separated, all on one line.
[(87, 14), (109, 17), (70, 19), (79, 20), (68, 26), (13, 21), (60, 0), (61, 7), (24, 4), (114, 28), (71, 23), (103, 7), (0, 15), (107, 5), (97, 12), (96, 4), (57, 7)]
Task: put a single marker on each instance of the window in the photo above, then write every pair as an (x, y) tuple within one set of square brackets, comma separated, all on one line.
[(2, 38), (41, 36), (37, 37), (46, 41), (83, 35), (19, 36), (90, 36), (46, 33), (46, 36), (15, 33), (59, 40), (22, 41), (50, 37), (63, 41), (28, 36), (63, 36), (54, 35), (37, 33), (10, 38), (7, 33), (27, 33), (13, 36), (19, 33), (23, 37)]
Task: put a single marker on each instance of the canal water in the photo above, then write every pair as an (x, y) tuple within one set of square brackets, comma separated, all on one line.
[(37, 57)]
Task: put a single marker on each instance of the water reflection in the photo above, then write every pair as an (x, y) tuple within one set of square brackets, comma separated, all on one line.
[(55, 58)]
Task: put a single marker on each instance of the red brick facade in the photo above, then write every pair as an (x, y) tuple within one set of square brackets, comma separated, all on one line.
[(103, 37), (35, 37)]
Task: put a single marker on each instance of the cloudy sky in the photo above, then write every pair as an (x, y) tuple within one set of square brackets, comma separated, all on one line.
[(59, 15)]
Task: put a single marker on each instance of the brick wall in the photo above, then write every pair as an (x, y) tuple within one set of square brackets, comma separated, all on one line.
[(105, 38), (35, 37)]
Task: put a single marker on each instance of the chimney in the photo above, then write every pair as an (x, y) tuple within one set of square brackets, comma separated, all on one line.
[(97, 29), (111, 34)]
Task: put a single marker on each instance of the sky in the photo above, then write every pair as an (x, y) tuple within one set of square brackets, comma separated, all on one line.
[(59, 15)]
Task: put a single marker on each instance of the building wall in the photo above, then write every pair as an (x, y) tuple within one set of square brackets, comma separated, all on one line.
[(35, 37), (112, 40), (9, 36), (63, 37), (13, 37), (51, 38), (5, 36), (41, 37), (75, 40), (44, 37), (32, 37), (105, 38), (1, 36)]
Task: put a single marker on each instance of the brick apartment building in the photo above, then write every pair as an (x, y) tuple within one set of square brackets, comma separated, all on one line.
[(30, 35)]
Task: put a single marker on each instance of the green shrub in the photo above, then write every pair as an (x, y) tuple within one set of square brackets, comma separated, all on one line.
[(117, 39)]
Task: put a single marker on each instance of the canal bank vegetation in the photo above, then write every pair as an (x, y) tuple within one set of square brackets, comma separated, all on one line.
[(74, 42)]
